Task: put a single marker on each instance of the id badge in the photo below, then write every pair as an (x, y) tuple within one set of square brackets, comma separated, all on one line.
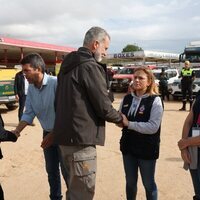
[(195, 131)]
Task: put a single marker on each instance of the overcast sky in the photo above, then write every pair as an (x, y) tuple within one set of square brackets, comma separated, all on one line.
[(166, 25)]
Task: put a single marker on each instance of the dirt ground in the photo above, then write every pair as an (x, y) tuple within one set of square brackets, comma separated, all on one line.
[(23, 176)]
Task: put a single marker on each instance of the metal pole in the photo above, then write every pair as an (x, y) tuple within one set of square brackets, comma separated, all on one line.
[(6, 57)]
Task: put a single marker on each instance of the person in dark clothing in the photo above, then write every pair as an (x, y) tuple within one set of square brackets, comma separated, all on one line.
[(20, 89), (189, 146), (82, 107), (163, 85), (197, 94), (108, 77), (5, 136), (110, 73), (188, 76)]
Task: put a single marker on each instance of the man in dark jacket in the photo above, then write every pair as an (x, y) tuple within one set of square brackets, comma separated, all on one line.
[(163, 85), (20, 88), (5, 136), (82, 107), (108, 78)]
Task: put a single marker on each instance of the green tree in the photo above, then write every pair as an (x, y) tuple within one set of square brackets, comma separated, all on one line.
[(131, 48)]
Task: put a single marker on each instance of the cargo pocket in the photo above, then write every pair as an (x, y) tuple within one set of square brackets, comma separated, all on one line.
[(85, 167)]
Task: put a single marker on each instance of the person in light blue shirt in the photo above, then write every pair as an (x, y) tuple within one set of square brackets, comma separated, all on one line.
[(40, 103)]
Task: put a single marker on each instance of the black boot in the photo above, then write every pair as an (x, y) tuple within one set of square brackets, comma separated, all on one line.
[(184, 106)]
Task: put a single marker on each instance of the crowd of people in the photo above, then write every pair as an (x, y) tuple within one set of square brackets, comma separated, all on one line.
[(72, 110)]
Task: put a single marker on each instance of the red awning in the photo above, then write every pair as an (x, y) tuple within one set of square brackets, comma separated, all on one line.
[(37, 45)]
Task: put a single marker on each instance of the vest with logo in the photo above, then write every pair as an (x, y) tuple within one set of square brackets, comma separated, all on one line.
[(187, 75), (142, 146)]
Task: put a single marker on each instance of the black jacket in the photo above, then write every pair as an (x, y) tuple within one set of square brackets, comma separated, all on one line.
[(19, 85), (82, 103), (5, 135)]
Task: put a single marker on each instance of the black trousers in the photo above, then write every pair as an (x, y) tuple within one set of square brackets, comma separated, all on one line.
[(187, 89), (22, 100), (1, 193), (164, 92)]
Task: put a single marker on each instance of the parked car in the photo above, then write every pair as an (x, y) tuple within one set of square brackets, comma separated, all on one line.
[(172, 74), (7, 95), (176, 86), (122, 79), (116, 69)]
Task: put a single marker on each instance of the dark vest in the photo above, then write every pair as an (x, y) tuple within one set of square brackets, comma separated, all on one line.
[(143, 146)]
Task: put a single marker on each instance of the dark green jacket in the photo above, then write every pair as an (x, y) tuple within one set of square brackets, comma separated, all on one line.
[(82, 103)]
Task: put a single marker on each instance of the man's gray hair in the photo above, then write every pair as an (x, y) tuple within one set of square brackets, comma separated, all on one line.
[(95, 34)]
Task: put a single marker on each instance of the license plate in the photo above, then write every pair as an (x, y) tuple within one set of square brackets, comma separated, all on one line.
[(11, 97)]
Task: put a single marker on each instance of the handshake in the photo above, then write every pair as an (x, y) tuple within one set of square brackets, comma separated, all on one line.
[(124, 122)]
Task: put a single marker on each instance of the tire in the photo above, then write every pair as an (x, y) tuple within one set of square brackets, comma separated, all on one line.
[(11, 106)]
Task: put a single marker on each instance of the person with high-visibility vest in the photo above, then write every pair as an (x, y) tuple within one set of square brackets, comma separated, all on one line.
[(188, 76)]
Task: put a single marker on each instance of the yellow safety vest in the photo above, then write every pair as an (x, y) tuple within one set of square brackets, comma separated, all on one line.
[(186, 72)]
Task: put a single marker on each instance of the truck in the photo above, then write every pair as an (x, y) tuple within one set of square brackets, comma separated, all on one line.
[(7, 95), (191, 53)]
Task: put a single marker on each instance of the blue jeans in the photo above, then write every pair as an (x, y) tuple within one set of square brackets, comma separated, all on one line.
[(147, 171), (52, 162), (195, 174)]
